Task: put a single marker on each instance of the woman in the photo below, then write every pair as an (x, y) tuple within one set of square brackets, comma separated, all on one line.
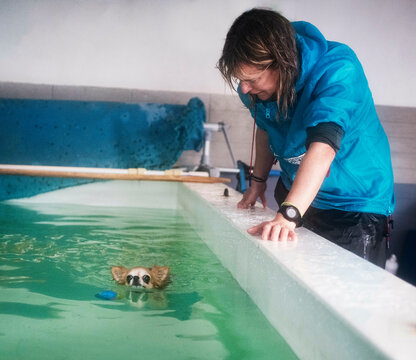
[(316, 116)]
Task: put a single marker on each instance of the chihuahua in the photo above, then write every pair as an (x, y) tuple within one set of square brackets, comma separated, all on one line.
[(156, 277)]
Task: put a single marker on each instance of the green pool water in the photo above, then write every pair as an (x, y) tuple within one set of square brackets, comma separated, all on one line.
[(54, 259)]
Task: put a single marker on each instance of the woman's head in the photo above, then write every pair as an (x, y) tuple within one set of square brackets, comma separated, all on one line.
[(261, 47)]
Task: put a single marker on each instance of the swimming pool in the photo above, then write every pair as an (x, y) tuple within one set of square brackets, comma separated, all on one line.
[(325, 302), (56, 256)]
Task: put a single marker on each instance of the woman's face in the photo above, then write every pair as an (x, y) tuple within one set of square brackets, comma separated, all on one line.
[(261, 83)]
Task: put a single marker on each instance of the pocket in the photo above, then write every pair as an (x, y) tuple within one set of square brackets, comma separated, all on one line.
[(340, 227)]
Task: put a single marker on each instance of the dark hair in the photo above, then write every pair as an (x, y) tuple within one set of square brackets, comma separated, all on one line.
[(265, 39)]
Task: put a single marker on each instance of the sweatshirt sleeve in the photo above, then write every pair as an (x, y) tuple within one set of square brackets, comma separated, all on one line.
[(338, 95)]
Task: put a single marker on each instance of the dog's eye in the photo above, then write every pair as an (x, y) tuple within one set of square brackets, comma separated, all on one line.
[(129, 277), (146, 278)]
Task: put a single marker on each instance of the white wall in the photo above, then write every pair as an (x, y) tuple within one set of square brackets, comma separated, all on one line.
[(174, 45)]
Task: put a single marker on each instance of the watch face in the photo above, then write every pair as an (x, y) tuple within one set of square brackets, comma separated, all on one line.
[(291, 212)]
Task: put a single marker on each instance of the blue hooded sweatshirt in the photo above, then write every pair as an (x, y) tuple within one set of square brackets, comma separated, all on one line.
[(332, 87)]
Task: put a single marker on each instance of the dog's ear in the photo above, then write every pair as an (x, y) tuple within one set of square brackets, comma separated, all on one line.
[(119, 274), (160, 275)]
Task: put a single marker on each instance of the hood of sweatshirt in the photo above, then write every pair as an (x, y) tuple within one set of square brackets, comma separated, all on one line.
[(311, 45)]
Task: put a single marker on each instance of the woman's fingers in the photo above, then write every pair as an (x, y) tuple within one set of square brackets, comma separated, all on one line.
[(256, 230), (272, 231), (263, 200)]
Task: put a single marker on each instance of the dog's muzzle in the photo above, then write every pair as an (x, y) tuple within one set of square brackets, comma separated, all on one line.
[(133, 280)]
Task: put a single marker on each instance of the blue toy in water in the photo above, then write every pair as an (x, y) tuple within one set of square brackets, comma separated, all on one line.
[(106, 295)]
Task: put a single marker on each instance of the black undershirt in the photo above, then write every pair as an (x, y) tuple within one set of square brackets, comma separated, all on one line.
[(328, 133)]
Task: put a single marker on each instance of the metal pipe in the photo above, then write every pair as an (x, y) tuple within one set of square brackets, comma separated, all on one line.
[(109, 173)]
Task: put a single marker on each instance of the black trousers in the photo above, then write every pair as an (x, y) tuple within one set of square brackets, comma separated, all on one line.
[(364, 234)]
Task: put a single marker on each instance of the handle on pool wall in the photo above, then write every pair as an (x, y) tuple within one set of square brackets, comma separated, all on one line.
[(108, 173)]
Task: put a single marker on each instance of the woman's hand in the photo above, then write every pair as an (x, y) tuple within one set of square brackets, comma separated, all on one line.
[(279, 229), (256, 190)]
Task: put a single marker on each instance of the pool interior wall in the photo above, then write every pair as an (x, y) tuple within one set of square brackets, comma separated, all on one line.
[(325, 301)]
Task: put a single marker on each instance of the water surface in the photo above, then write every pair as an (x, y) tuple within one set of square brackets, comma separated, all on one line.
[(54, 259)]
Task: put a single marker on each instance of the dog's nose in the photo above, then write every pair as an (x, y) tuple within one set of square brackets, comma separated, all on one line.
[(136, 280)]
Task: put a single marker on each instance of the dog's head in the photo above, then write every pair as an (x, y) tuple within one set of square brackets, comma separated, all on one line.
[(141, 277)]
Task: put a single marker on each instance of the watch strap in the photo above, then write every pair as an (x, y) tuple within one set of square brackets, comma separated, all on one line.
[(286, 208)]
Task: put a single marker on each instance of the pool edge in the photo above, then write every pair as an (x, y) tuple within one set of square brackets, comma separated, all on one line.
[(304, 316)]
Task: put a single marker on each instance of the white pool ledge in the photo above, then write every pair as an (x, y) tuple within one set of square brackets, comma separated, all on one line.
[(326, 302)]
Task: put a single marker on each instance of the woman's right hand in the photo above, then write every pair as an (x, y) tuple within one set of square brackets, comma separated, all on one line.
[(256, 190)]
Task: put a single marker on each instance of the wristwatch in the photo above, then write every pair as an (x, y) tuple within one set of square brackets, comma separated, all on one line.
[(291, 213)]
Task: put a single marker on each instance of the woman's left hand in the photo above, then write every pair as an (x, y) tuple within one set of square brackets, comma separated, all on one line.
[(278, 229)]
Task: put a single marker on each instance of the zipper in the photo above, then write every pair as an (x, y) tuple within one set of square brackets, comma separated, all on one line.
[(267, 113)]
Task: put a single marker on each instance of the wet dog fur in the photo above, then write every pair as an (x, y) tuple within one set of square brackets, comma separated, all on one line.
[(156, 277)]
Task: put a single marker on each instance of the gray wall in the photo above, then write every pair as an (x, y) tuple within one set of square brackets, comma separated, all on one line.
[(174, 45)]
